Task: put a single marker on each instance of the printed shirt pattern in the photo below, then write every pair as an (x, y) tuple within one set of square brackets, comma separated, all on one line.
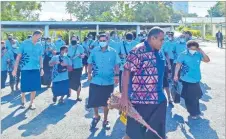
[(146, 77)]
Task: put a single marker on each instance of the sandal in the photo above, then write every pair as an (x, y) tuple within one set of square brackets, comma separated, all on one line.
[(94, 122)]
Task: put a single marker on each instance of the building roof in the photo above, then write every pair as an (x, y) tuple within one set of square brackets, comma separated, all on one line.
[(80, 25), (215, 20)]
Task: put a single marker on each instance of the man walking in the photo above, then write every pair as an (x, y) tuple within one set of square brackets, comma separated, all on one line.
[(219, 38), (142, 84)]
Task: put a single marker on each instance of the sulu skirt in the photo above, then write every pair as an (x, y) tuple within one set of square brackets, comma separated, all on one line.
[(99, 95), (75, 79), (60, 88), (192, 92), (3, 78), (30, 80)]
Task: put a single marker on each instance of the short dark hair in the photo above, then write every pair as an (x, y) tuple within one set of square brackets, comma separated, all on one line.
[(102, 35), (189, 33), (129, 36), (48, 38), (2, 42), (63, 48), (37, 32), (29, 36), (86, 38), (155, 31), (192, 43), (112, 32)]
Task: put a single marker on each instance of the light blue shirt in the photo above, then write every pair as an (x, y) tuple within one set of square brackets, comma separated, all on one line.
[(4, 63), (128, 47), (179, 48), (115, 45), (31, 54), (103, 64), (168, 48), (9, 45), (50, 47), (13, 52), (76, 51), (56, 76), (190, 69), (59, 44), (94, 44)]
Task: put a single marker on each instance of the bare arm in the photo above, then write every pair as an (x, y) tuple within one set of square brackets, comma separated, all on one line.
[(17, 62), (205, 57), (177, 69), (116, 69), (89, 69), (41, 62)]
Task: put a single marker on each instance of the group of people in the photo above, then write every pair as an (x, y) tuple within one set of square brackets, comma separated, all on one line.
[(143, 66)]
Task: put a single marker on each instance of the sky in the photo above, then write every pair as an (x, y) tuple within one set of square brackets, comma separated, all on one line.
[(59, 11)]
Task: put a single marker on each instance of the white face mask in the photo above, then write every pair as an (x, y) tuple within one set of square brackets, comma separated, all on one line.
[(14, 45), (170, 39), (103, 44), (65, 54), (182, 40), (59, 39), (48, 43), (192, 51)]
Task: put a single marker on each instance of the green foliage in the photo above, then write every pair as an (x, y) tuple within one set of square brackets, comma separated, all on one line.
[(20, 10), (120, 11), (218, 10), (209, 37), (196, 33)]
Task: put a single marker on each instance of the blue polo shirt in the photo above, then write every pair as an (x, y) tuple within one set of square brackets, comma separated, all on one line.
[(75, 51), (168, 48), (103, 64), (115, 45), (9, 45), (50, 46), (12, 54), (31, 54), (59, 44), (56, 76), (179, 48), (146, 79), (190, 69), (4, 59), (128, 48)]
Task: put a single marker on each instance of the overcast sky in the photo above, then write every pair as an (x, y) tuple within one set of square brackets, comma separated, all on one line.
[(56, 10)]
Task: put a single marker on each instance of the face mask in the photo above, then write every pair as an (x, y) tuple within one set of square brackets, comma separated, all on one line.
[(170, 39), (48, 43), (59, 39), (73, 42), (65, 54), (182, 40), (14, 45), (144, 35), (103, 44), (10, 38), (192, 51)]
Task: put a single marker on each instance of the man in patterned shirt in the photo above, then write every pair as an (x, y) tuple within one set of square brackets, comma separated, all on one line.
[(143, 85)]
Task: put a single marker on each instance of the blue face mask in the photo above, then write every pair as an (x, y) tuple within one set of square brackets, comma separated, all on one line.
[(103, 44), (182, 40)]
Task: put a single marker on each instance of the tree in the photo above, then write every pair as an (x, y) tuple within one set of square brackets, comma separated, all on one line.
[(191, 15), (20, 11), (218, 10)]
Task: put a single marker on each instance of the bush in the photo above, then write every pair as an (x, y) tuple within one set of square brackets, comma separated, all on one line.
[(196, 33), (209, 37)]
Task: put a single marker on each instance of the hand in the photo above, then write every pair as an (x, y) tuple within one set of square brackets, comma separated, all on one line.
[(116, 78), (82, 55), (175, 78), (14, 73), (124, 104), (63, 64), (89, 77), (41, 72)]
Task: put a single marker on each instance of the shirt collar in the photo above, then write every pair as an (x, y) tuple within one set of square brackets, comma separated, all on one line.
[(108, 49), (148, 47)]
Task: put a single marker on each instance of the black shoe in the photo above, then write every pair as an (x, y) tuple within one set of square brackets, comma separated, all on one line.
[(94, 122), (22, 105), (79, 99), (106, 125), (61, 101), (32, 107), (54, 99), (69, 95)]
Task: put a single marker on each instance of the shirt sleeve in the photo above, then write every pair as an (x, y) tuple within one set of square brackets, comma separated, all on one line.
[(90, 59), (69, 61), (21, 48), (117, 60), (180, 58), (132, 62), (53, 59)]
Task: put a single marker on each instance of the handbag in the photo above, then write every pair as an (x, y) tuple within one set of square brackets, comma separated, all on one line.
[(61, 68), (175, 91)]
